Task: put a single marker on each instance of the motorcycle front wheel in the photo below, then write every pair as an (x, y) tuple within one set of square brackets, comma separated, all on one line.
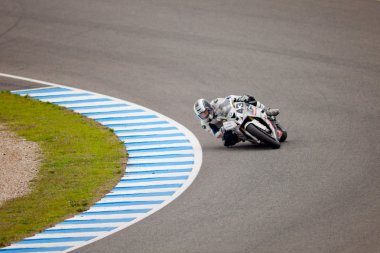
[(268, 140)]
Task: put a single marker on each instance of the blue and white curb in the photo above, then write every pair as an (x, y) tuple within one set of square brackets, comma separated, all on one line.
[(164, 159)]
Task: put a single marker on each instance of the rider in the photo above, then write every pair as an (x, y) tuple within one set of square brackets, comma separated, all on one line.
[(209, 114)]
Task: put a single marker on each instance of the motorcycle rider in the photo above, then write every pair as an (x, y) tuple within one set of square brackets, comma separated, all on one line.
[(210, 115)]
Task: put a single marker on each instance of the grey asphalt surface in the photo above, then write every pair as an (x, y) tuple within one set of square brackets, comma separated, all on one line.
[(8, 84), (318, 61)]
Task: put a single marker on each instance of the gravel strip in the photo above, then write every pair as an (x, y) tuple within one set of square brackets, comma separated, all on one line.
[(19, 163)]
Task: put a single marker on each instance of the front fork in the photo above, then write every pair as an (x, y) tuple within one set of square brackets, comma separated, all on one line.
[(270, 123)]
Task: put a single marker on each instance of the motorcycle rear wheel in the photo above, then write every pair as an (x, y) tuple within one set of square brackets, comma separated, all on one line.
[(268, 140)]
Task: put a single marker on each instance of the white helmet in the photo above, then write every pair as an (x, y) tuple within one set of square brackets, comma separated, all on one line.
[(203, 110)]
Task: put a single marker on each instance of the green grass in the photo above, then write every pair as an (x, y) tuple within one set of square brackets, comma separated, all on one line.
[(81, 162)]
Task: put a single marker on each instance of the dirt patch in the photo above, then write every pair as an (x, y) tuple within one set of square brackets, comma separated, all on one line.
[(19, 163)]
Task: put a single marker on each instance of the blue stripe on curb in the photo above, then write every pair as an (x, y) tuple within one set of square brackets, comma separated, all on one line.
[(94, 221), (126, 118), (83, 101), (95, 106), (77, 230), (47, 90), (53, 240), (39, 249), (148, 194), (149, 143), (145, 130), (160, 164), (147, 172), (135, 124), (160, 149), (112, 112), (128, 211), (62, 96), (129, 203), (160, 156), (137, 180), (146, 187), (150, 136)]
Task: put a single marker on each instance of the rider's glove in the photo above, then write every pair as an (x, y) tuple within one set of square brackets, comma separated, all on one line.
[(247, 99)]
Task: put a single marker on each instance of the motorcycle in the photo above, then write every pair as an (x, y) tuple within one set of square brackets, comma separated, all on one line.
[(253, 123)]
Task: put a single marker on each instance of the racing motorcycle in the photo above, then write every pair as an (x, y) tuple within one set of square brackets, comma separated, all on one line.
[(253, 123)]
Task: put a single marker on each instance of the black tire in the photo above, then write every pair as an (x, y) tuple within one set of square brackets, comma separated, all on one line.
[(284, 133), (268, 140), (284, 136)]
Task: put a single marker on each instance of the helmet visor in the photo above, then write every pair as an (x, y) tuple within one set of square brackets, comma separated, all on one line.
[(204, 115)]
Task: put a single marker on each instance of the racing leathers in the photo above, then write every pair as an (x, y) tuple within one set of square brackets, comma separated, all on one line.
[(215, 126)]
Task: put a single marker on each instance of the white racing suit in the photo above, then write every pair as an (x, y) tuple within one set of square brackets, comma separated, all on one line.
[(215, 126)]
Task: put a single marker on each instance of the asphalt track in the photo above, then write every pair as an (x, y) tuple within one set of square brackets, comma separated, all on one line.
[(318, 61)]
